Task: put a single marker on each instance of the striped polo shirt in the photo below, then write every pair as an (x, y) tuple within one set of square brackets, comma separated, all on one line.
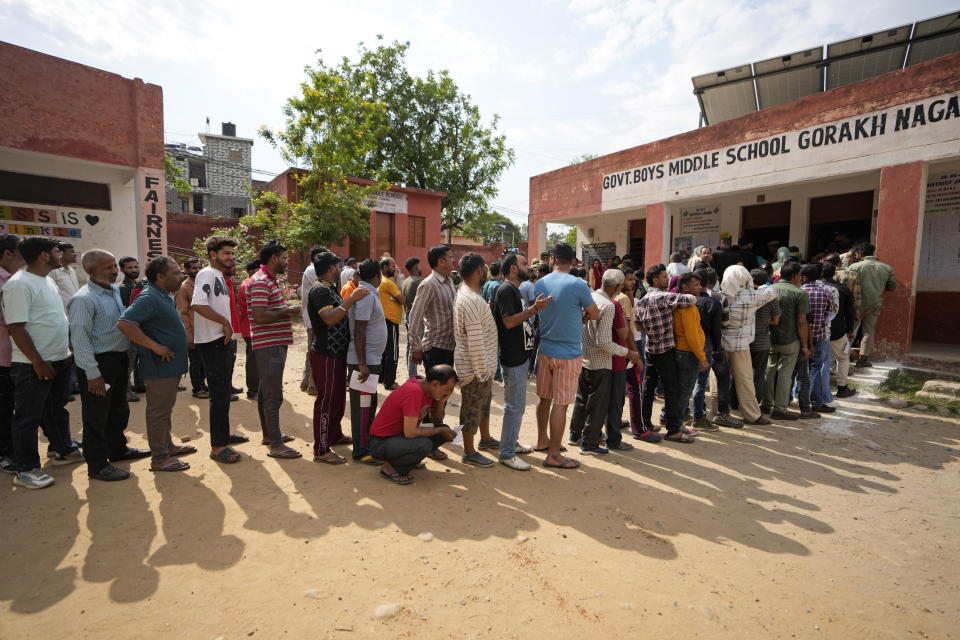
[(263, 290)]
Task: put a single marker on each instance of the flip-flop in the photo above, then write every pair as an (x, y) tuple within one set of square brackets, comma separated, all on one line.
[(202, 394), (283, 438), (175, 465), (395, 477), (325, 460), (679, 436), (236, 438), (286, 454), (563, 465), (545, 449), (226, 456), (182, 450), (436, 454), (344, 440)]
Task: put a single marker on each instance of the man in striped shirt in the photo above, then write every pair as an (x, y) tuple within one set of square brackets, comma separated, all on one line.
[(431, 318), (270, 333), (475, 359)]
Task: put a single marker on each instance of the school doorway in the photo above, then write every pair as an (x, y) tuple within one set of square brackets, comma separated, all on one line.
[(837, 221), (637, 232), (768, 226), (384, 239)]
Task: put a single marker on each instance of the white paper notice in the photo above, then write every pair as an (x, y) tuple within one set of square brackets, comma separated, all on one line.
[(367, 386), (459, 431)]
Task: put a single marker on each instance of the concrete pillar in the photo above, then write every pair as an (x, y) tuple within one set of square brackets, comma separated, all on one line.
[(800, 222), (656, 244), (899, 229), (152, 221)]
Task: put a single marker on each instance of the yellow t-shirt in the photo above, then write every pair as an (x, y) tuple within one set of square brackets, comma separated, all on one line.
[(392, 310)]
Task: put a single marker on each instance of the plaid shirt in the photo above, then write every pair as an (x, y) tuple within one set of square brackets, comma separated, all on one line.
[(598, 345), (824, 304), (740, 331), (654, 315)]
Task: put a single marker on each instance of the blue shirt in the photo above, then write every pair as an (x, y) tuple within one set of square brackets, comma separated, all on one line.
[(527, 294), (155, 312), (93, 312), (561, 323)]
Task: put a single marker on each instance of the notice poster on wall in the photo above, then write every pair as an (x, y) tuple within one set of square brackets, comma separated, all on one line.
[(683, 244), (699, 220), (602, 250), (940, 246)]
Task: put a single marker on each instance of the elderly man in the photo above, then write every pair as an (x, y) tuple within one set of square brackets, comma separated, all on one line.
[(593, 387), (40, 363), (475, 359), (100, 351), (10, 262), (150, 322)]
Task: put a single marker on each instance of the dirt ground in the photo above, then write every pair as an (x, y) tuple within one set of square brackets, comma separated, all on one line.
[(840, 528)]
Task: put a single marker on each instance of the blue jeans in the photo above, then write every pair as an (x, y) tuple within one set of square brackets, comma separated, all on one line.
[(40, 403), (514, 403), (721, 369), (820, 374)]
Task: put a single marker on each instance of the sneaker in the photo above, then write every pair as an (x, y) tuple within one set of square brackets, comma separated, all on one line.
[(825, 408), (809, 415), (74, 456), (515, 463), (727, 420), (33, 479), (594, 451), (783, 415), (132, 397), (109, 473), (477, 460), (689, 431), (845, 392), (863, 363), (574, 442), (621, 446), (702, 424), (492, 443), (522, 449), (7, 464)]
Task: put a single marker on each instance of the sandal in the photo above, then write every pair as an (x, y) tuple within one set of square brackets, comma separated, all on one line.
[(286, 454), (679, 437), (236, 438), (396, 477), (568, 463), (547, 448), (283, 438), (330, 458), (173, 465), (344, 440), (182, 450), (203, 394), (226, 456), (436, 454)]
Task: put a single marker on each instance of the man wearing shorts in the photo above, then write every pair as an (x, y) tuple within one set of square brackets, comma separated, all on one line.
[(561, 329)]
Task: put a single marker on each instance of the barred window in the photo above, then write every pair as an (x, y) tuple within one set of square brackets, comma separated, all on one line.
[(415, 231)]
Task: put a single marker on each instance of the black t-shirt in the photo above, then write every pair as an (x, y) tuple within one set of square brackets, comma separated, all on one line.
[(516, 343), (723, 258), (334, 340)]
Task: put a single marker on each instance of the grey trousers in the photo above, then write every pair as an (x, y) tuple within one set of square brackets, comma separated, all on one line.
[(161, 396), (590, 407), (270, 362), (868, 323), (307, 381)]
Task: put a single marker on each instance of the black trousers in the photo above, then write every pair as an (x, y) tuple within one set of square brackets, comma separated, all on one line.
[(404, 453), (40, 403), (218, 363), (590, 407), (197, 374), (105, 418), (6, 413), (662, 367), (437, 355), (391, 355)]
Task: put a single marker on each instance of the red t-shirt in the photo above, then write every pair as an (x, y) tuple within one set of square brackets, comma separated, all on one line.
[(242, 310), (619, 322), (234, 316), (407, 401)]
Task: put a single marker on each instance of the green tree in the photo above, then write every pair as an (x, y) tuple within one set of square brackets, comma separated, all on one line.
[(502, 229), (584, 157), (175, 177)]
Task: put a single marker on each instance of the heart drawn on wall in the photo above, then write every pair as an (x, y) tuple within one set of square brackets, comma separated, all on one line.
[(92, 220)]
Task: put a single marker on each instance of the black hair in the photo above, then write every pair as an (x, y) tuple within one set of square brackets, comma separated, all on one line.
[(789, 270), (323, 261), (8, 242), (744, 240), (411, 263), (685, 278), (701, 275), (253, 265), (794, 248), (442, 373), (543, 269), (766, 266), (676, 257), (350, 260), (384, 262), (156, 266), (435, 253), (369, 269), (316, 250), (833, 259), (495, 269), (32, 247), (509, 261), (711, 275), (63, 246), (563, 253), (125, 259), (193, 260), (810, 271), (215, 243), (865, 249), (270, 249), (829, 270), (759, 276), (654, 271), (469, 263), (628, 270)]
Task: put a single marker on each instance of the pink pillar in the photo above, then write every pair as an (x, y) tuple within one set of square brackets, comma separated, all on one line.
[(899, 228), (656, 228)]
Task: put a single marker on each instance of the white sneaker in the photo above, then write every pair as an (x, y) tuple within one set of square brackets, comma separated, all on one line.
[(74, 456), (521, 449), (7, 465), (515, 463), (33, 479)]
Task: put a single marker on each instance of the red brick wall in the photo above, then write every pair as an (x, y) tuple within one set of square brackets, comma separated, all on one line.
[(184, 228), (51, 105)]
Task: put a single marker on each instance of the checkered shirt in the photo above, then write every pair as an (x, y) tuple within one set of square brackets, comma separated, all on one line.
[(654, 315), (824, 304)]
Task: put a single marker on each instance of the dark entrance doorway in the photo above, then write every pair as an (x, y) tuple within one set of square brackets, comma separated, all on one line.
[(765, 224), (384, 239), (842, 218), (638, 235)]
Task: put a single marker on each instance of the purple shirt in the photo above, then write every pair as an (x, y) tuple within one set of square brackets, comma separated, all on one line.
[(6, 348)]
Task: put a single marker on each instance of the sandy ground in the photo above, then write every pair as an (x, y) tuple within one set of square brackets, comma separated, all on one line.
[(842, 528)]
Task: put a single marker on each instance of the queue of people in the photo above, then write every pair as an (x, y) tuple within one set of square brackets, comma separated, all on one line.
[(767, 337)]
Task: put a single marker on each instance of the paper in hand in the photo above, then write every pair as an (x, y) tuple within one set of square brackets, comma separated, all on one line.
[(459, 431), (367, 386)]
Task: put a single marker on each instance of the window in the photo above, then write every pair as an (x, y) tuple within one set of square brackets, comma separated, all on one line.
[(198, 174), (415, 231), (197, 203), (184, 205), (26, 187), (239, 212)]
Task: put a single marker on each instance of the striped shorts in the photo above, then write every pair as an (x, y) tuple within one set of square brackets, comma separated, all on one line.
[(557, 379)]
